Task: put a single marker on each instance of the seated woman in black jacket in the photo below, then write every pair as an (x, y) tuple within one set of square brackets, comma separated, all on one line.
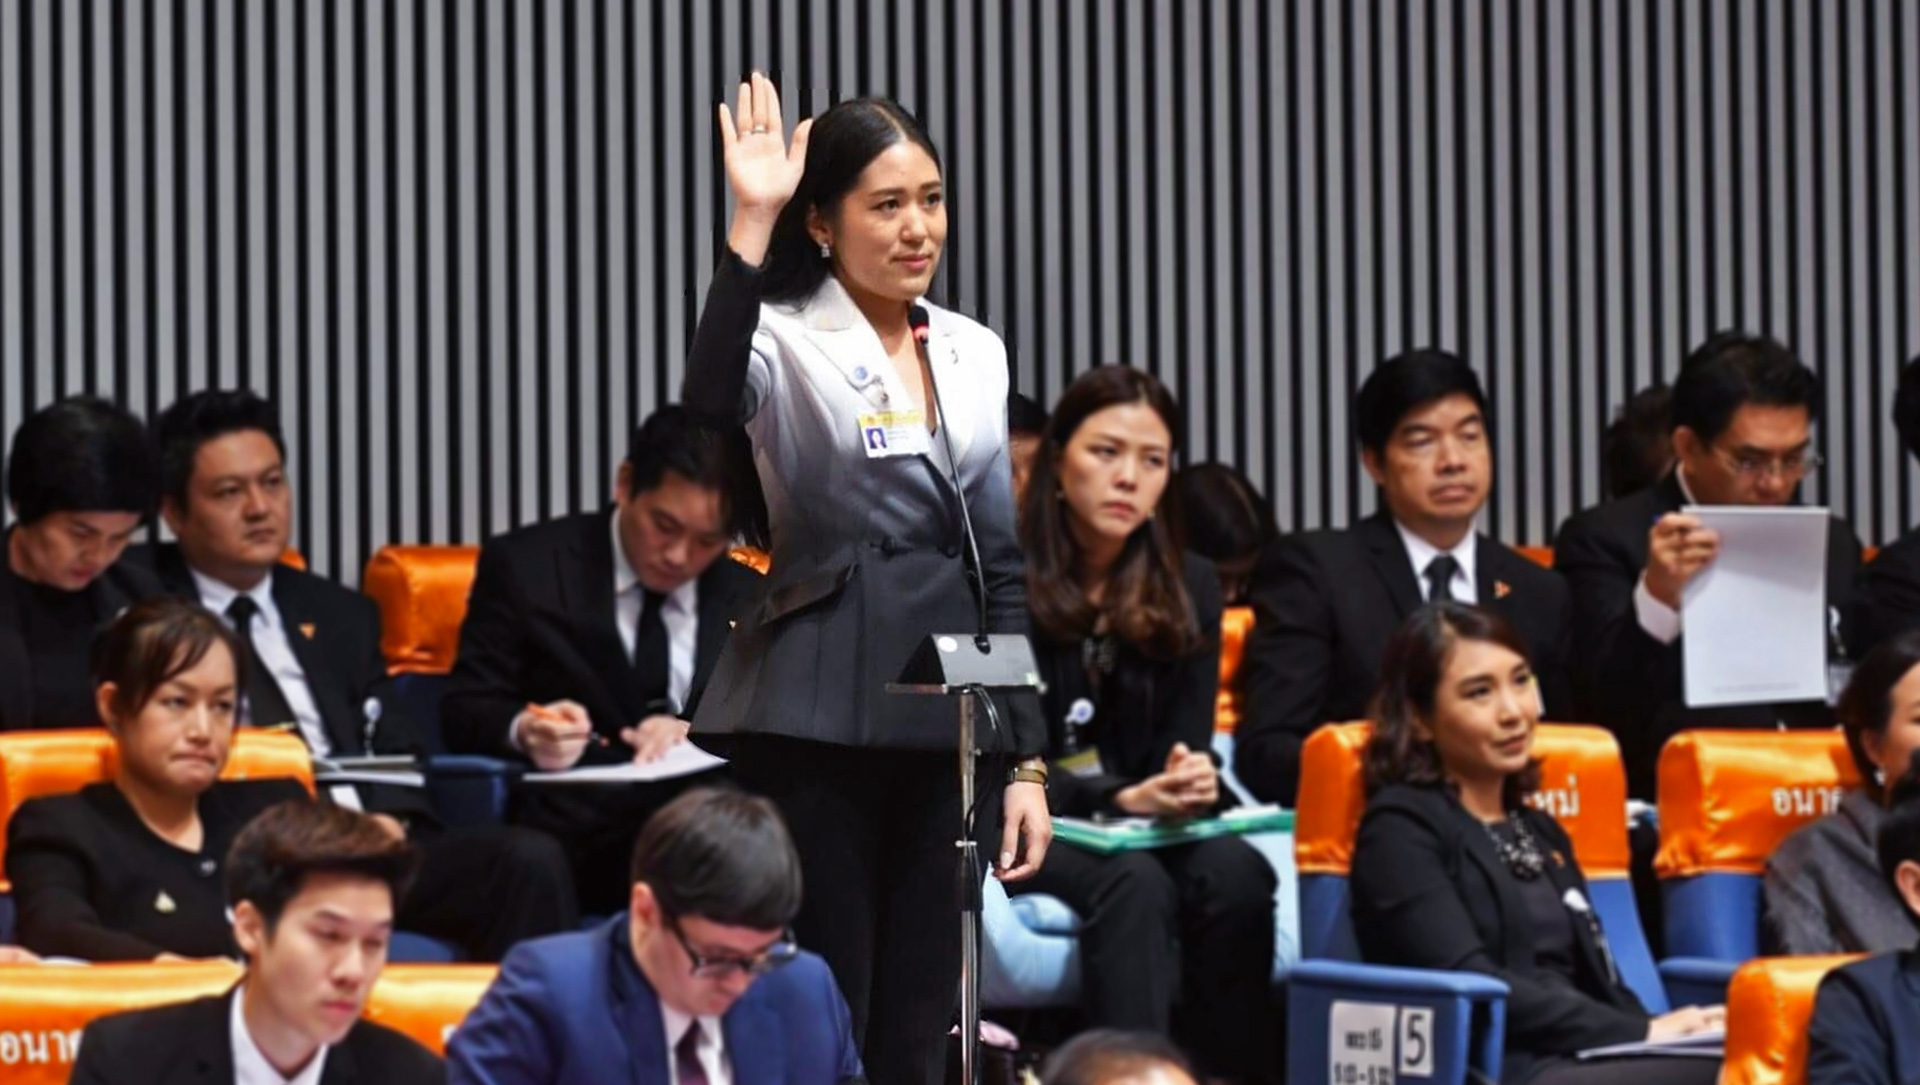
[(132, 869), (1126, 628), (1453, 870)]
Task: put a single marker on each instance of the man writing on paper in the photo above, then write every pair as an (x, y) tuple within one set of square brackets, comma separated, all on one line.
[(315, 658), (588, 638), (1742, 416)]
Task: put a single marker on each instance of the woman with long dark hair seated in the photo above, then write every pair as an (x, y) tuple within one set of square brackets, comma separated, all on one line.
[(1126, 627), (1453, 870)]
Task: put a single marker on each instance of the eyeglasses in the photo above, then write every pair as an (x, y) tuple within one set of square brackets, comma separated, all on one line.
[(1792, 465), (780, 953)]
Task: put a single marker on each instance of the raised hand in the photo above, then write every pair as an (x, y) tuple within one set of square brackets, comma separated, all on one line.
[(762, 168)]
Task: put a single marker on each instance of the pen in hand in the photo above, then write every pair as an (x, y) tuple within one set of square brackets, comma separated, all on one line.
[(541, 712)]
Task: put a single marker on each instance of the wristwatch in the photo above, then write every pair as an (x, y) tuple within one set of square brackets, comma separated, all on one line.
[(1031, 771)]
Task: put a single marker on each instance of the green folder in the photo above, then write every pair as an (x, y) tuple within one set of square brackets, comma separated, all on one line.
[(1106, 837)]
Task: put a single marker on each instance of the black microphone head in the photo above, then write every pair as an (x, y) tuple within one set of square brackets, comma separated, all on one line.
[(918, 322)]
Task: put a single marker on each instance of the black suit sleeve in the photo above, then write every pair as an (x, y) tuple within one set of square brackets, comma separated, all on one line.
[(53, 872), (1554, 668), (1623, 674), (485, 692), (1847, 1040), (1283, 672), (1416, 918), (1889, 597), (715, 389), (100, 1054)]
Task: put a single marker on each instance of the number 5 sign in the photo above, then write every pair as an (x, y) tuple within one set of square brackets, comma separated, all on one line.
[(1372, 1043)]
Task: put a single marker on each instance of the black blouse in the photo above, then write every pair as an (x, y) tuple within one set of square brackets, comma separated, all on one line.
[(92, 881)]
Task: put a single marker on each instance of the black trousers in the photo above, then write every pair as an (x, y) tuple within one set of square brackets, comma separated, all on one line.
[(1193, 922), (875, 830), (485, 888), (1640, 1071)]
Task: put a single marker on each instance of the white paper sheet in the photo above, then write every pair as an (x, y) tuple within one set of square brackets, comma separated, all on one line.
[(1702, 1045), (683, 759), (1754, 622)]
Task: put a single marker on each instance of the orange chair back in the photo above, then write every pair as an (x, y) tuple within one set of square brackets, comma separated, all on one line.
[(43, 1008), (1728, 798), (36, 763), (1236, 624), (293, 559), (753, 558), (1582, 785), (428, 1001), (1769, 1005), (1539, 555), (422, 595)]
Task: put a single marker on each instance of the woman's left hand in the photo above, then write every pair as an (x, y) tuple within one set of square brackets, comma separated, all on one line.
[(1025, 818)]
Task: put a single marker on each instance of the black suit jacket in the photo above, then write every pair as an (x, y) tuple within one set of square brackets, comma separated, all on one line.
[(123, 584), (1430, 891), (1145, 705), (1325, 603), (191, 1043), (88, 875), (1866, 1023), (1630, 682), (1889, 601), (540, 627), (334, 633)]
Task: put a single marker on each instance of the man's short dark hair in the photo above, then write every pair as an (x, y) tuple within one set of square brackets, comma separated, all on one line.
[(1637, 448), (723, 856), (1108, 1055), (1025, 416), (671, 439), (194, 420), (1906, 407), (1734, 369), (80, 454), (1405, 383), (273, 856), (1898, 839)]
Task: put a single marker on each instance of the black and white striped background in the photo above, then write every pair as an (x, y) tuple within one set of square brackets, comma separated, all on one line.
[(462, 242)]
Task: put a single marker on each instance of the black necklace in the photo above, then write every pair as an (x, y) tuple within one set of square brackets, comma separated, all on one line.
[(1522, 854)]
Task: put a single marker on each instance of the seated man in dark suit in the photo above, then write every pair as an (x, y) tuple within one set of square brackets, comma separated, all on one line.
[(1890, 589), (1742, 414), (318, 669), (1866, 1018), (312, 889), (80, 481), (699, 982), (1326, 602), (587, 638)]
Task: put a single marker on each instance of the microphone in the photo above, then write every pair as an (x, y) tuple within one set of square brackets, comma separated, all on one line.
[(919, 323)]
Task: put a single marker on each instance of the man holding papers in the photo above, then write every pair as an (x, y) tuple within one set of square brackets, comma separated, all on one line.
[(316, 668), (1743, 414), (587, 639)]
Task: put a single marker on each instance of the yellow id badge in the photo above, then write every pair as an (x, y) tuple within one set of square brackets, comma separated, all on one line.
[(894, 433), (1084, 764)]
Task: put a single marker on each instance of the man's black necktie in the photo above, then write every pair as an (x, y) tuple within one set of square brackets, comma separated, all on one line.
[(266, 705), (650, 652), (1440, 578)]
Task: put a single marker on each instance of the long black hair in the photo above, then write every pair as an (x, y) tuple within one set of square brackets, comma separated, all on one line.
[(844, 140)]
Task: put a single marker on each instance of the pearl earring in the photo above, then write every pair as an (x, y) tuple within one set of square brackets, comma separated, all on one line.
[(826, 251)]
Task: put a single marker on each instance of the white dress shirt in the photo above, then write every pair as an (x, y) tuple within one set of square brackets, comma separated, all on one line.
[(1421, 553), (275, 654), (250, 1067), (712, 1051), (679, 612)]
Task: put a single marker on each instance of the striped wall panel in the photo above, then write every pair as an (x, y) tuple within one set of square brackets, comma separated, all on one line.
[(462, 242)]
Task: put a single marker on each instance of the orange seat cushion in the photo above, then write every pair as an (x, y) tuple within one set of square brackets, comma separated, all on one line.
[(1236, 623), (44, 1008), (422, 595), (1539, 555), (1769, 1006), (36, 763), (293, 559), (1728, 798), (1582, 785)]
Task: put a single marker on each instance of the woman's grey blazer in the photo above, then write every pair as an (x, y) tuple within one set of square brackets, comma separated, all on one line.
[(868, 553)]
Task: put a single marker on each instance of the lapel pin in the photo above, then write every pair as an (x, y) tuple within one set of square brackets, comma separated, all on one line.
[(163, 903), (306, 630), (732, 624), (1502, 589)]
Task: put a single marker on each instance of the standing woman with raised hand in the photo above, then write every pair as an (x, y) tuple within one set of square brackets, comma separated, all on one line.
[(857, 431)]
